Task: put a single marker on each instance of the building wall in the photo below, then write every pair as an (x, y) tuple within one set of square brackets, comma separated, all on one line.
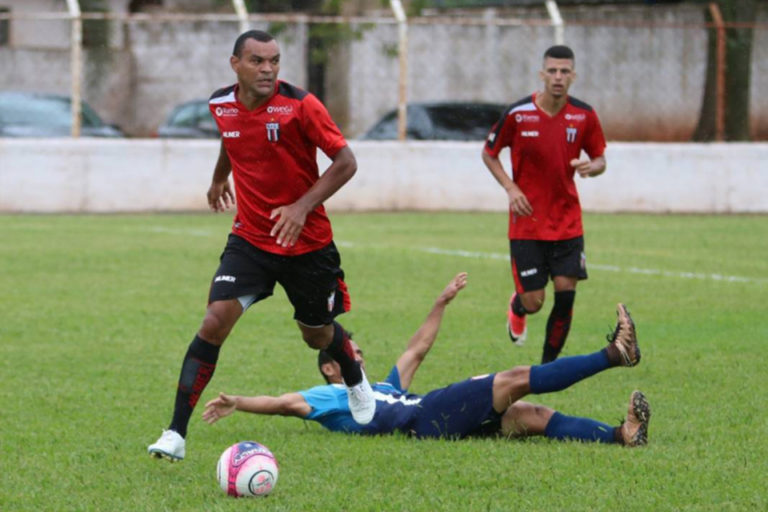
[(92, 175)]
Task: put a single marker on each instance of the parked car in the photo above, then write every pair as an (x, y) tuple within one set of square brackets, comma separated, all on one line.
[(28, 114), (439, 121), (189, 120)]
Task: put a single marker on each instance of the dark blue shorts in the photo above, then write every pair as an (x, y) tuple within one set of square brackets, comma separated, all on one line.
[(460, 410), (313, 282)]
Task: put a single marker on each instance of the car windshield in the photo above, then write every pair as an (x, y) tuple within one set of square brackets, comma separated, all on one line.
[(457, 122), (192, 114), (31, 110)]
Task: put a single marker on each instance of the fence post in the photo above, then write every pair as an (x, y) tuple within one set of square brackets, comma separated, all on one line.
[(402, 53), (720, 70), (557, 21), (242, 14), (76, 64)]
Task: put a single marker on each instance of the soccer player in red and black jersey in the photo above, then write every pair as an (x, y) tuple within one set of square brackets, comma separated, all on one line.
[(271, 131), (546, 133)]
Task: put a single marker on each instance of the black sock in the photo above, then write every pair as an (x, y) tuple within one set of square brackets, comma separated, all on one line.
[(517, 306), (196, 371), (341, 351), (558, 325)]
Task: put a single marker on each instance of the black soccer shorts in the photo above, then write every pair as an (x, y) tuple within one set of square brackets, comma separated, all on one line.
[(314, 282), (535, 261)]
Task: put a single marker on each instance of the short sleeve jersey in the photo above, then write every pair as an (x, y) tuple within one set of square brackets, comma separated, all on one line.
[(541, 148), (273, 152), (395, 407)]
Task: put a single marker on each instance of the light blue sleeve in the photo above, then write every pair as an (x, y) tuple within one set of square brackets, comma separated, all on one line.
[(325, 400), (330, 407)]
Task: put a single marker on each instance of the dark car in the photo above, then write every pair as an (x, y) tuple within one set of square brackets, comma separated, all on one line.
[(440, 121), (189, 120), (28, 114)]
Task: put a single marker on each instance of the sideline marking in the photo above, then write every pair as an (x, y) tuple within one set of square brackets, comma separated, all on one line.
[(596, 266), (500, 256)]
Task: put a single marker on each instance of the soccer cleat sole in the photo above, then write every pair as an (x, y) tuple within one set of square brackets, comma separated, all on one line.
[(642, 411)]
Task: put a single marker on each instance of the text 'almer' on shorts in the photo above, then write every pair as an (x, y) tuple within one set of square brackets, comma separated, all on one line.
[(535, 261), (314, 282)]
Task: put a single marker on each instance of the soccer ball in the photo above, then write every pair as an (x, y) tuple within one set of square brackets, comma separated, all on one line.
[(247, 469)]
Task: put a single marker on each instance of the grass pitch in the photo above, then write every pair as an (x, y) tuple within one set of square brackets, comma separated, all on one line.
[(97, 312)]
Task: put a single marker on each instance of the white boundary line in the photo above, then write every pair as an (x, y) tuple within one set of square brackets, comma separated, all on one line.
[(593, 266), (499, 256)]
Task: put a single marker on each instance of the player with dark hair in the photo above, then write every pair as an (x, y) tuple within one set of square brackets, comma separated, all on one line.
[(546, 133), (271, 131), (483, 405)]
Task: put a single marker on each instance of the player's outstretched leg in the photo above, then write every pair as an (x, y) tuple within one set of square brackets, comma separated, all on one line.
[(623, 350), (634, 430)]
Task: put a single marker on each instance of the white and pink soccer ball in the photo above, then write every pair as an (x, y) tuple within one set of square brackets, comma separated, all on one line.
[(247, 469)]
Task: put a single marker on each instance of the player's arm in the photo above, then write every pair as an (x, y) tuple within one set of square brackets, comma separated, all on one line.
[(589, 168), (518, 203), (291, 218), (289, 404), (421, 342), (220, 194)]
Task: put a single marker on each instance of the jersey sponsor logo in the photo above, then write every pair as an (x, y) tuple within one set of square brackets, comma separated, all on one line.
[(527, 118), (570, 134), (229, 279), (529, 133), (280, 109), (273, 132), (529, 272), (575, 117), (226, 111), (230, 135)]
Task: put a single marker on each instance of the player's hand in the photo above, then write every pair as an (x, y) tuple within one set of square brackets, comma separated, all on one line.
[(220, 196), (518, 203), (583, 167), (218, 408), (289, 224), (454, 287)]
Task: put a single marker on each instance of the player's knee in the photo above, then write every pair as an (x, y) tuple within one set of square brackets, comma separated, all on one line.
[(214, 328), (532, 303), (513, 384), (317, 339)]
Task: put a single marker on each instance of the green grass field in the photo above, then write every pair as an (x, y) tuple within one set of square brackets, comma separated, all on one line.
[(97, 312)]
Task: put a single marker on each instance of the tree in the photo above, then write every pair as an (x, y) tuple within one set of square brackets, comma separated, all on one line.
[(738, 61)]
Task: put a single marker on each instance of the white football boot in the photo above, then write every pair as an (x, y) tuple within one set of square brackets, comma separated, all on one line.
[(170, 446), (362, 403)]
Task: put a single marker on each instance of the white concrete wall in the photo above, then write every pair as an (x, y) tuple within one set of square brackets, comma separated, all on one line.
[(93, 175)]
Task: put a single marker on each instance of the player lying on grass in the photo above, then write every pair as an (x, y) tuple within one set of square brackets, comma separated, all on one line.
[(482, 405)]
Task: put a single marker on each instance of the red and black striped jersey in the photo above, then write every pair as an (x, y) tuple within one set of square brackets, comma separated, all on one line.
[(273, 152), (542, 147)]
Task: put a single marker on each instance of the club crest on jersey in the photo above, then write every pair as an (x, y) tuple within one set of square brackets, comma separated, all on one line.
[(273, 132), (570, 134)]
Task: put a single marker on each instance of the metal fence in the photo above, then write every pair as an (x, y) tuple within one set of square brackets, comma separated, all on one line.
[(643, 68)]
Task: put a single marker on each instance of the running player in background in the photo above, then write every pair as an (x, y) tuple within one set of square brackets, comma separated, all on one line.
[(546, 133), (484, 405), (270, 132)]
